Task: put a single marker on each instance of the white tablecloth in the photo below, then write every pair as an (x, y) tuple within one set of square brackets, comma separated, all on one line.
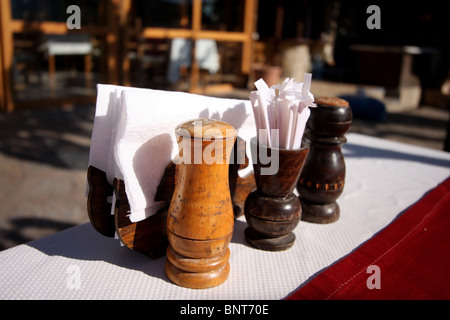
[(383, 179)]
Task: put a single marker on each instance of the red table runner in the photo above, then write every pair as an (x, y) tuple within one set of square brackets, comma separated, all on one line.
[(408, 259)]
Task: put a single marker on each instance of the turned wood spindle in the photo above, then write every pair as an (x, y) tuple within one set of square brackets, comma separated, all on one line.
[(323, 177), (272, 210), (200, 218)]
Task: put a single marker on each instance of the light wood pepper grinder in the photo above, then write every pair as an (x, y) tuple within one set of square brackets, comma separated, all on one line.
[(200, 218)]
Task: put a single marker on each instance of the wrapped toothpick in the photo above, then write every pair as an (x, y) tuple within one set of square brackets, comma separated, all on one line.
[(281, 111)]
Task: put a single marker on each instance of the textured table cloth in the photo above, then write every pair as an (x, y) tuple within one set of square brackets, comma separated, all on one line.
[(383, 179), (409, 259)]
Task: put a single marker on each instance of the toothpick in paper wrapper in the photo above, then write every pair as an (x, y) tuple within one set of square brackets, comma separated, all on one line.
[(283, 107), (264, 101)]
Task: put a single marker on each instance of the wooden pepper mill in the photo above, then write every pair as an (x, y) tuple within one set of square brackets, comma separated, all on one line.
[(323, 176), (200, 218)]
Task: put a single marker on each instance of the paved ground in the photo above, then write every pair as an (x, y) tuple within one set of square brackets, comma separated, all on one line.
[(43, 160), (44, 155)]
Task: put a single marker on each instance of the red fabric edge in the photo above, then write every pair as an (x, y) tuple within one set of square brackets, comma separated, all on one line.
[(412, 252)]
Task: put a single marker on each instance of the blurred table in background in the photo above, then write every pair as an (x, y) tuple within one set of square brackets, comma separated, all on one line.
[(397, 72), (67, 45)]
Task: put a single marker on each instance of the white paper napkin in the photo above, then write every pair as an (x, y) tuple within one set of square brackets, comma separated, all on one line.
[(107, 109), (133, 136)]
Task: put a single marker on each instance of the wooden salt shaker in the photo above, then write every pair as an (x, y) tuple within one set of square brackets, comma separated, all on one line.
[(200, 218), (322, 180)]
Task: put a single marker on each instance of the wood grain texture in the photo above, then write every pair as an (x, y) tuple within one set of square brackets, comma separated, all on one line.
[(197, 280), (240, 187), (323, 177), (273, 211), (200, 218), (149, 236), (98, 207)]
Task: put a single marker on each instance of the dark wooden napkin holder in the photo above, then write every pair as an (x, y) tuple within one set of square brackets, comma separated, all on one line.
[(149, 236)]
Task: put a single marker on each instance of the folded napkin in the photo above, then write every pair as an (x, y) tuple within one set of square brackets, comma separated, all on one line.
[(133, 137)]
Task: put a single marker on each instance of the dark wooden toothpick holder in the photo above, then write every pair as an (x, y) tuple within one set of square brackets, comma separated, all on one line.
[(272, 210)]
